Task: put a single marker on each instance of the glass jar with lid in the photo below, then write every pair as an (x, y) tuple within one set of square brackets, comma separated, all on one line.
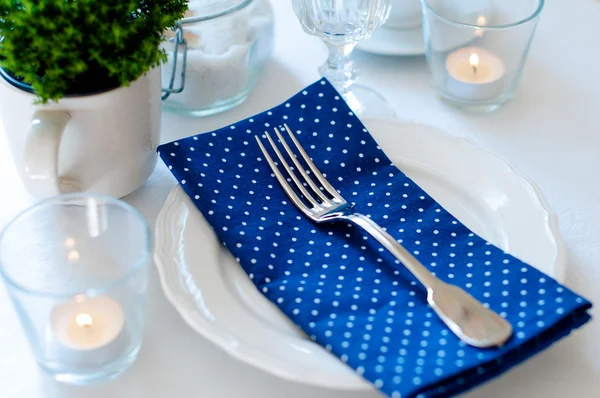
[(215, 55)]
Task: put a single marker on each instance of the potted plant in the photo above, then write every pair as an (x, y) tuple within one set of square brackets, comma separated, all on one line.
[(86, 72)]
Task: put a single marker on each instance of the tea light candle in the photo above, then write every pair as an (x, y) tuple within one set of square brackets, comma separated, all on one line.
[(474, 74), (88, 324)]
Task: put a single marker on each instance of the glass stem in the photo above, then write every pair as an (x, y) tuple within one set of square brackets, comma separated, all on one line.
[(339, 68)]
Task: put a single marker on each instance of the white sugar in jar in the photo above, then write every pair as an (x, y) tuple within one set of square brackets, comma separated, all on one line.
[(227, 44)]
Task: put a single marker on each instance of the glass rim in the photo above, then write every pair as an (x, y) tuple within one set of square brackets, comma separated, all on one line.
[(529, 18), (93, 291)]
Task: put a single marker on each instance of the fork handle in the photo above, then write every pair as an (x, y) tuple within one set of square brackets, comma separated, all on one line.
[(404, 256), (471, 321)]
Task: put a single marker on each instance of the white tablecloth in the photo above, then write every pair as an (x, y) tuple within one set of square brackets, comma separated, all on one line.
[(551, 132)]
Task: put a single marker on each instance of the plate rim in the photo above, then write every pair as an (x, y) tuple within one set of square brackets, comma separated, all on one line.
[(207, 329), (165, 261), (561, 258), (361, 46)]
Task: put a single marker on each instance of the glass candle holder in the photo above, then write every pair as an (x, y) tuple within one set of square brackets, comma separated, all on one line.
[(75, 267), (476, 49)]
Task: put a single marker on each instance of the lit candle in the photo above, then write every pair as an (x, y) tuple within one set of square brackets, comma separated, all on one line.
[(88, 329), (474, 74), (474, 61)]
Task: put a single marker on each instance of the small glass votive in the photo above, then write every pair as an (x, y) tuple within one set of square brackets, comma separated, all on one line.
[(476, 49), (76, 269)]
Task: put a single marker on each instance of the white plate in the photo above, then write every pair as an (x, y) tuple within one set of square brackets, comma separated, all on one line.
[(385, 41), (216, 298)]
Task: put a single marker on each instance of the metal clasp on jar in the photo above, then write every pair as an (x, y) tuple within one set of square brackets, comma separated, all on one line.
[(180, 43)]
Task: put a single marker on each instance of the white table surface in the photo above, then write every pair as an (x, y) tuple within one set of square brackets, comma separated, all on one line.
[(551, 132)]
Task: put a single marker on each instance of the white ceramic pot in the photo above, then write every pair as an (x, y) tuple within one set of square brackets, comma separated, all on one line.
[(103, 143), (405, 14)]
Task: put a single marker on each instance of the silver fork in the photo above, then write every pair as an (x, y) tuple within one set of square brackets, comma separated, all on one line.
[(472, 322)]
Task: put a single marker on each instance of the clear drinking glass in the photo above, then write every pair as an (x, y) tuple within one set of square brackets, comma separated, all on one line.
[(341, 24), (476, 49), (75, 267)]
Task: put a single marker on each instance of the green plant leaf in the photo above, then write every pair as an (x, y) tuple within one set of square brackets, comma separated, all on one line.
[(66, 46)]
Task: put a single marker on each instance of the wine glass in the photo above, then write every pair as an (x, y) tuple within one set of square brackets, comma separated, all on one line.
[(341, 24)]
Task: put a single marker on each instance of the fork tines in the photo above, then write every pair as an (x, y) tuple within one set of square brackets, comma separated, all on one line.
[(318, 198)]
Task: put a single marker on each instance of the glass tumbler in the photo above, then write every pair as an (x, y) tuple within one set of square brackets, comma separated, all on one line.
[(476, 49), (75, 267)]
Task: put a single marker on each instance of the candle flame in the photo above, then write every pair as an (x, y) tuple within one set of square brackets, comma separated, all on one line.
[(70, 243), (474, 60), (84, 320)]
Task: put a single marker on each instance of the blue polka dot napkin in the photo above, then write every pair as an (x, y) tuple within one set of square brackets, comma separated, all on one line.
[(339, 285)]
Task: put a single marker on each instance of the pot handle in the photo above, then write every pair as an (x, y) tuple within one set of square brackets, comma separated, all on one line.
[(40, 154)]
